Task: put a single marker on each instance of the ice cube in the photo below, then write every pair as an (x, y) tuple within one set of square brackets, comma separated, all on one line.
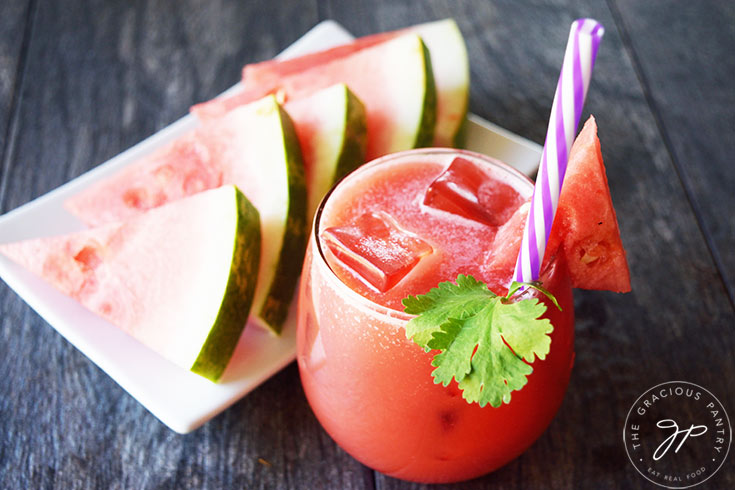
[(376, 249), (466, 190)]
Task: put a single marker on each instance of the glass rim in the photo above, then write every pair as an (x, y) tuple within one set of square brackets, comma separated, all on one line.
[(332, 278)]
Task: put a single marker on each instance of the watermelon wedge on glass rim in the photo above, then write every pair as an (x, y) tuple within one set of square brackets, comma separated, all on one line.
[(394, 80), (179, 278), (254, 147), (585, 229)]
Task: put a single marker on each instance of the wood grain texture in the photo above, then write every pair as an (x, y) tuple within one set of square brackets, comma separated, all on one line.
[(686, 64), (100, 76), (15, 21)]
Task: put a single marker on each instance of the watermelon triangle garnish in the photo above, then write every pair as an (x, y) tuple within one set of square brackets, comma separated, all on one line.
[(586, 228)]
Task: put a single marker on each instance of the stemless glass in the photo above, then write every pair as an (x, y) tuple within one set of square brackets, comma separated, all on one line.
[(372, 389)]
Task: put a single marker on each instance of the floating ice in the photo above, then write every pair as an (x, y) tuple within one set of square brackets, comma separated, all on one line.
[(376, 249), (466, 190)]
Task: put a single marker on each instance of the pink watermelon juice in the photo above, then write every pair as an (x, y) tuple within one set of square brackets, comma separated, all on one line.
[(395, 227)]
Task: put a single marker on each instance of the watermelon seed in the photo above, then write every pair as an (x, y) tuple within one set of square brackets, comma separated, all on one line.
[(88, 258)]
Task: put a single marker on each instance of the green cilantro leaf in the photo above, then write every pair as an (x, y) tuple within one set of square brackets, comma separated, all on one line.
[(523, 329), (482, 339), (448, 300)]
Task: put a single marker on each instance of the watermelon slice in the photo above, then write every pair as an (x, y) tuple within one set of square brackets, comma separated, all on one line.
[(270, 71), (451, 68), (179, 278), (585, 229), (332, 131), (253, 147), (393, 79), (449, 64)]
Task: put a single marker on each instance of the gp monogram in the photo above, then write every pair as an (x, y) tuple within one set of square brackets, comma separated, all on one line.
[(692, 431), (677, 434)]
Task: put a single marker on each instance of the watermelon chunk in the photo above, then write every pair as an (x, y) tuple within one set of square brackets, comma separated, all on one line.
[(332, 130), (179, 278), (254, 147), (393, 79), (449, 64), (376, 249), (585, 229)]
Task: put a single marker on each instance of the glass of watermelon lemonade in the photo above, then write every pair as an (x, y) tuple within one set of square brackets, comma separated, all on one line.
[(396, 227)]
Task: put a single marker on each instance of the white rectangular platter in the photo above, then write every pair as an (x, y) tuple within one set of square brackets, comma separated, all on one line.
[(180, 399)]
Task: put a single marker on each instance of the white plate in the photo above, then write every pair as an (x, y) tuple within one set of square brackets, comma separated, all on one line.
[(182, 400)]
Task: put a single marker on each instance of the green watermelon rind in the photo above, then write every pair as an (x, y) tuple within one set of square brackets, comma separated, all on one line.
[(451, 69), (237, 300), (346, 141), (425, 133), (274, 310), (354, 143)]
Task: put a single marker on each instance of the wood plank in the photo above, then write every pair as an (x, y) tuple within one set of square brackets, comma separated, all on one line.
[(15, 19), (100, 77), (687, 65)]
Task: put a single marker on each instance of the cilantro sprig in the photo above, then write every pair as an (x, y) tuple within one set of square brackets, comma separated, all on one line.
[(483, 339)]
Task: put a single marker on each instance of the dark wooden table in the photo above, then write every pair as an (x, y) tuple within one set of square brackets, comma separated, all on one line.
[(82, 80)]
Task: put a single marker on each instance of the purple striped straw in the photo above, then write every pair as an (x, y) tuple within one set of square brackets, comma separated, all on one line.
[(576, 71)]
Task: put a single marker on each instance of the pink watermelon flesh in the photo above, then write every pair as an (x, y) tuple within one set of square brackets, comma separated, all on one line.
[(306, 121), (585, 229), (150, 275), (265, 77), (184, 167), (268, 72), (217, 153), (189, 165), (439, 36), (363, 70), (466, 190), (376, 248)]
